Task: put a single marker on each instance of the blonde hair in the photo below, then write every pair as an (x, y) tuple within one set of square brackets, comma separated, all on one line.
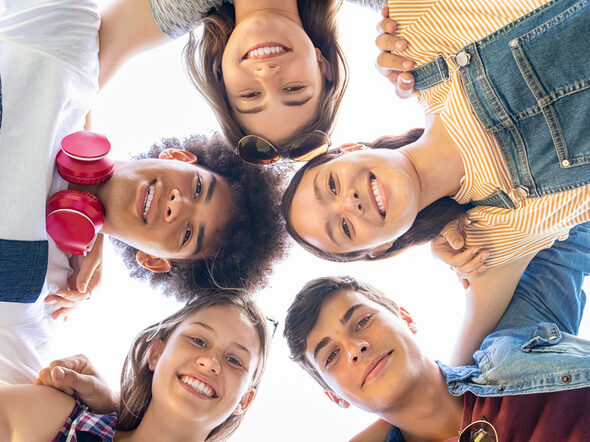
[(136, 376)]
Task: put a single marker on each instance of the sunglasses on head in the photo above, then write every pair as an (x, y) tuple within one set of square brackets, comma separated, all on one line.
[(479, 431), (257, 150)]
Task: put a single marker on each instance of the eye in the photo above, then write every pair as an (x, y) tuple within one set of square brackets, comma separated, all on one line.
[(345, 228), (198, 187), (187, 235), (233, 361), (332, 184), (249, 95), (331, 357), (362, 323), (200, 342), (293, 88)]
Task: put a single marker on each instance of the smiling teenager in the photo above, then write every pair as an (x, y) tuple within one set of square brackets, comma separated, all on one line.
[(192, 215), (530, 380), (530, 186), (190, 377)]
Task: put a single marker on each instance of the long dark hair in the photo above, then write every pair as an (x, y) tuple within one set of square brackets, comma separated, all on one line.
[(203, 54), (428, 223)]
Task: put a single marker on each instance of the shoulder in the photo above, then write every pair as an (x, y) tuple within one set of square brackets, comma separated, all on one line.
[(31, 412)]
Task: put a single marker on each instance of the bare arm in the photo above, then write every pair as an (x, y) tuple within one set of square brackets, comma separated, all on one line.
[(31, 412), (488, 295), (127, 28)]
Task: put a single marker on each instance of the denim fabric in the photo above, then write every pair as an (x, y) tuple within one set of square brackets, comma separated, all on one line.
[(23, 265), (533, 348), (529, 84)]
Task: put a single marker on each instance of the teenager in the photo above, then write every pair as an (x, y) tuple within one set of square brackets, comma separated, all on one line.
[(189, 214), (529, 186), (190, 377), (530, 379)]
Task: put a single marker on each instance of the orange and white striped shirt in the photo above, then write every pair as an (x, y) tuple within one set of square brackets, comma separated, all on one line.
[(434, 27)]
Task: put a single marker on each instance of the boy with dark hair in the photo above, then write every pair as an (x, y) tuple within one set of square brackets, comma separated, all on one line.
[(531, 379)]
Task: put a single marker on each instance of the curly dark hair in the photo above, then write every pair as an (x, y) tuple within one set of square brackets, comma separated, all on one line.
[(428, 223), (252, 241)]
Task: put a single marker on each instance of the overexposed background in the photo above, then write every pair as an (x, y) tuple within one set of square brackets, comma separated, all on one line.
[(151, 98)]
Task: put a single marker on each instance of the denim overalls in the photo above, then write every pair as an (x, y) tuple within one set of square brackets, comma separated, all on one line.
[(528, 83)]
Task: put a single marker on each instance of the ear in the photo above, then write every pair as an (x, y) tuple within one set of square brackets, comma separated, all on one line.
[(324, 64), (352, 147), (155, 351), (244, 402), (408, 320), (153, 263), (337, 399), (178, 155), (380, 250)]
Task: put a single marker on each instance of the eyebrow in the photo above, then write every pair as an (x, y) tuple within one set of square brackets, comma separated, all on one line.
[(200, 237), (257, 109), (211, 329), (318, 196), (211, 188), (345, 318)]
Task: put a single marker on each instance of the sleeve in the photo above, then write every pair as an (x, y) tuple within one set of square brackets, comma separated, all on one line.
[(550, 290), (178, 17)]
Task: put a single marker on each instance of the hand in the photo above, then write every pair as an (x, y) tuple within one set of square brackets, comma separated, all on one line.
[(77, 377), (449, 247), (393, 66), (84, 279)]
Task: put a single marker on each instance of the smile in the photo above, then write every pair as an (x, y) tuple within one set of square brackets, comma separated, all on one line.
[(198, 386), (265, 51), (375, 367), (378, 194), (147, 203)]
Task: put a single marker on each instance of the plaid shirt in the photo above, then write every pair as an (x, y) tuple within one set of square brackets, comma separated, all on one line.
[(84, 426)]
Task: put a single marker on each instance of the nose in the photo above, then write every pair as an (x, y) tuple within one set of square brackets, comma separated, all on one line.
[(355, 351), (351, 202), (209, 364), (173, 205), (266, 71)]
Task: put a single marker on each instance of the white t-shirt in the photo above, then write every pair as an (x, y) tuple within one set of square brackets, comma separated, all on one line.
[(49, 77)]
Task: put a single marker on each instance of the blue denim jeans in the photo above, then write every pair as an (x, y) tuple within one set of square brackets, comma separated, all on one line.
[(23, 266), (529, 85)]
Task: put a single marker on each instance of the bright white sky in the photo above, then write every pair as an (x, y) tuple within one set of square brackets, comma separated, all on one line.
[(151, 98)]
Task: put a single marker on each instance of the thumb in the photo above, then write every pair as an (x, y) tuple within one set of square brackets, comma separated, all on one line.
[(69, 381)]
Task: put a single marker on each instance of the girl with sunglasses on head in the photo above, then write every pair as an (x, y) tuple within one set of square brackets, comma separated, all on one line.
[(272, 69), (190, 377), (521, 177)]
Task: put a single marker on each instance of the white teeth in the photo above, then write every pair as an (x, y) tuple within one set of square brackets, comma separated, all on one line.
[(148, 200), (198, 386), (378, 196), (265, 51)]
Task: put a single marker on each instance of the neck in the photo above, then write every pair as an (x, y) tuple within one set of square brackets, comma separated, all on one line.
[(159, 427), (287, 8), (430, 413), (433, 149)]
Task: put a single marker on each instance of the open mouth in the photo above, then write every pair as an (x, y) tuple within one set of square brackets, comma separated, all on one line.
[(374, 369), (147, 203), (198, 386), (378, 195), (264, 51)]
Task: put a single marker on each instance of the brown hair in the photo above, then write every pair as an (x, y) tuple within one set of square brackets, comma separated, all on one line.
[(136, 376), (428, 223), (305, 310), (202, 60)]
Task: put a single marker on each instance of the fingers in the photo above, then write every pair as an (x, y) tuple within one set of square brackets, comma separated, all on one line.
[(391, 43), (405, 85), (62, 313), (57, 377), (385, 12), (453, 236), (79, 363), (389, 61), (469, 262)]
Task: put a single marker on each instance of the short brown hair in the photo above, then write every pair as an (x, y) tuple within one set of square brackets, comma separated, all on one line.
[(303, 314), (427, 225), (203, 54), (136, 376)]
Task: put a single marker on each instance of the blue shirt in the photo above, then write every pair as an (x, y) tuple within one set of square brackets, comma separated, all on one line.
[(533, 349)]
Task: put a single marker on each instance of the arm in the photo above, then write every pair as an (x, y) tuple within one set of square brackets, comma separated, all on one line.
[(127, 28), (30, 412), (376, 432), (488, 296)]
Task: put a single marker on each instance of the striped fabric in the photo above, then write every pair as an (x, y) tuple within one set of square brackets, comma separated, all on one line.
[(435, 27), (83, 425)]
